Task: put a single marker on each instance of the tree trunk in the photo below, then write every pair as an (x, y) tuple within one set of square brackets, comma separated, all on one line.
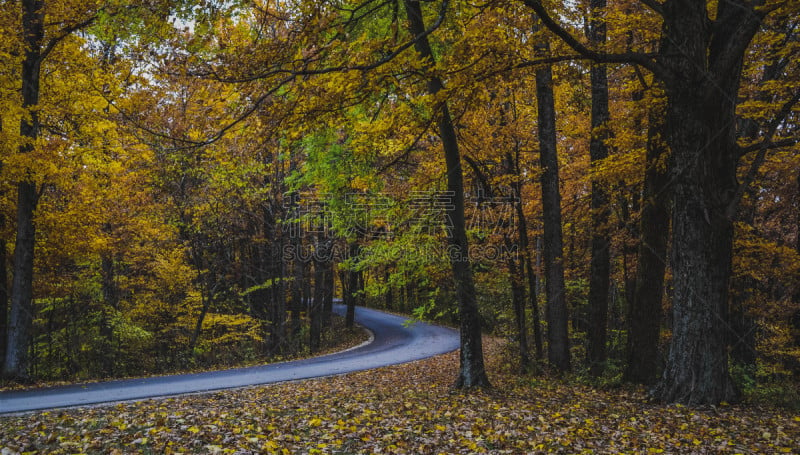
[(351, 287), (600, 263), (21, 316), (471, 372), (108, 311), (317, 304), (518, 302), (645, 309), (296, 306), (3, 292), (533, 285), (530, 273), (206, 297), (700, 63), (703, 64), (697, 365), (556, 311), (315, 308), (389, 296), (327, 303)]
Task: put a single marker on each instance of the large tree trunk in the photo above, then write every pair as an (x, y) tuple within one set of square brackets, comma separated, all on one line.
[(556, 310), (645, 309), (697, 365), (471, 372), (600, 263), (21, 316), (703, 64), (700, 63)]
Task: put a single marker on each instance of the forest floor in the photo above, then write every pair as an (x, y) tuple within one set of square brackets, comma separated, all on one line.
[(410, 408)]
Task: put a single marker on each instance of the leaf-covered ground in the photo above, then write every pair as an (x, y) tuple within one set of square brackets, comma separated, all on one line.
[(410, 409)]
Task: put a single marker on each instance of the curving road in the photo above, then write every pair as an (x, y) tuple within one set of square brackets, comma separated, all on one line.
[(394, 341)]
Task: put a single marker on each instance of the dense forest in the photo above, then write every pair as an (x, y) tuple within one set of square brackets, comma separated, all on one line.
[(611, 184)]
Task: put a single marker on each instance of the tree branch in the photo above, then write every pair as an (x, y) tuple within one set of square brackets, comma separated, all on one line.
[(305, 71), (644, 60), (654, 5), (772, 128)]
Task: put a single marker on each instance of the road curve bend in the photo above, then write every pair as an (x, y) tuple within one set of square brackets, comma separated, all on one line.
[(395, 340)]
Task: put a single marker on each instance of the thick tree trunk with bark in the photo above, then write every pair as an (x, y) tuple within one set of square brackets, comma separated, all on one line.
[(21, 316), (703, 64), (472, 372), (645, 309), (700, 64), (556, 311), (600, 263)]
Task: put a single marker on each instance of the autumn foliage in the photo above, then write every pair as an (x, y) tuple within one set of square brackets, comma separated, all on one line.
[(194, 182)]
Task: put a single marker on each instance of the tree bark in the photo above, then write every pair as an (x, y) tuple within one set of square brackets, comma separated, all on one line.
[(600, 263), (21, 316), (556, 311), (315, 309), (108, 311), (533, 297), (351, 285), (317, 303), (3, 292), (703, 64), (700, 63), (327, 303), (524, 244), (515, 277), (645, 309), (472, 372), (3, 279)]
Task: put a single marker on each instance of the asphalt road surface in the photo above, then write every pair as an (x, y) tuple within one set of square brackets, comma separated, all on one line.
[(395, 340)]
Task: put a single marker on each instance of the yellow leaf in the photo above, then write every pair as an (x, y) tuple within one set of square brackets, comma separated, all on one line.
[(315, 422)]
